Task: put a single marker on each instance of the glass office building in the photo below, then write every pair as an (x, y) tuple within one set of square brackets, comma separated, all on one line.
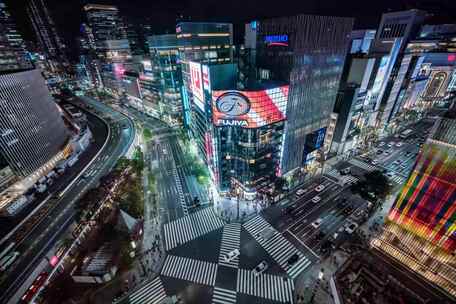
[(308, 53)]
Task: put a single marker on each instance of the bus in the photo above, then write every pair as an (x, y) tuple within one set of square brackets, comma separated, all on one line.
[(8, 260), (406, 133)]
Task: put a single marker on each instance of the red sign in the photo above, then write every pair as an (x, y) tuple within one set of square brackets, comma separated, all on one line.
[(197, 81)]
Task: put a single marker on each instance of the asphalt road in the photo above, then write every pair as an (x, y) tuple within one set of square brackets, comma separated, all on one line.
[(60, 218)]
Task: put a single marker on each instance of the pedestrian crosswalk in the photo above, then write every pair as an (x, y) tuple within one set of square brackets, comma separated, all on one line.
[(349, 179), (397, 179), (277, 246), (179, 190), (333, 173), (231, 238), (188, 269), (223, 296), (362, 165), (151, 293), (190, 227), (272, 287)]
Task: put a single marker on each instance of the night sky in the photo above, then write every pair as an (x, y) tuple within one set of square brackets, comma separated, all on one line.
[(162, 14)]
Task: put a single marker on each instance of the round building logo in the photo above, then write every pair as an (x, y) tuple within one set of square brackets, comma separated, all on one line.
[(233, 104)]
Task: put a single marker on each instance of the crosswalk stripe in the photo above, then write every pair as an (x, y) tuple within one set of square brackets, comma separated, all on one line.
[(151, 293), (188, 269), (267, 286), (190, 227), (277, 246), (223, 296), (363, 165), (230, 240)]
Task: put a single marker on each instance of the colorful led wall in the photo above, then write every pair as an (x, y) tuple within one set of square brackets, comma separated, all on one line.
[(426, 206), (249, 109)]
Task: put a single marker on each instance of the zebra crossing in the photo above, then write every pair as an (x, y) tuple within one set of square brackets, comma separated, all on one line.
[(189, 227), (223, 296), (179, 190), (349, 179), (362, 165), (333, 173), (277, 246), (188, 269), (151, 293), (231, 238), (272, 287), (397, 179)]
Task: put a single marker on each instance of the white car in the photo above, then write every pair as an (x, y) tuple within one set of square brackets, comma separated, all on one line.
[(320, 188), (390, 145), (260, 268), (231, 255), (390, 174), (317, 223), (381, 144), (398, 144), (351, 227), (316, 199), (374, 162), (300, 192)]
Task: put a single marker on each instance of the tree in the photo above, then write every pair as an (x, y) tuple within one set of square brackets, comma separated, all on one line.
[(279, 183), (147, 133), (375, 183)]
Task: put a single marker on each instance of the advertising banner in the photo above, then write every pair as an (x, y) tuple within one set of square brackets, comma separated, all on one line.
[(249, 109), (196, 80)]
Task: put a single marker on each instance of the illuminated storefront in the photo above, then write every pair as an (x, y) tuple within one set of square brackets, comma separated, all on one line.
[(420, 231)]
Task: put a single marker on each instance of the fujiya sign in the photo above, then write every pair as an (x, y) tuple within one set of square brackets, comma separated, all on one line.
[(232, 122)]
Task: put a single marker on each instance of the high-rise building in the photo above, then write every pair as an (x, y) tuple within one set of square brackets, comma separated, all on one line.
[(167, 73), (389, 71), (420, 229), (200, 42), (12, 53), (307, 52), (45, 30), (106, 38)]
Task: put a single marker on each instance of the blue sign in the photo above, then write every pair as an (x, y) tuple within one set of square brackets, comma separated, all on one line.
[(276, 40)]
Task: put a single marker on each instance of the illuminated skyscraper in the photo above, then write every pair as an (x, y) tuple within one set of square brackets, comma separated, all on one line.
[(12, 51), (420, 231), (45, 31)]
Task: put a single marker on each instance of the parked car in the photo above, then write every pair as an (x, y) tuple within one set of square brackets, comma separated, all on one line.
[(260, 268), (316, 199), (231, 255), (317, 223)]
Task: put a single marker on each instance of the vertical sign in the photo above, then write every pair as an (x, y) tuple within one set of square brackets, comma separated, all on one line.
[(197, 81)]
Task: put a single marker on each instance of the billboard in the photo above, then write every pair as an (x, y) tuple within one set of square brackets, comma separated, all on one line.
[(249, 109), (196, 81), (426, 204)]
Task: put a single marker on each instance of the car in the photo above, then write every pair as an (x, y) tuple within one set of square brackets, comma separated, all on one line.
[(260, 268), (316, 199), (381, 144), (231, 255), (300, 192), (389, 145), (386, 152), (320, 188), (374, 162), (351, 227), (345, 171), (390, 174), (293, 259), (399, 144), (379, 151), (317, 223)]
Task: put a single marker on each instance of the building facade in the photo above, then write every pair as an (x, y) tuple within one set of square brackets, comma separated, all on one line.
[(307, 52), (12, 54), (420, 229)]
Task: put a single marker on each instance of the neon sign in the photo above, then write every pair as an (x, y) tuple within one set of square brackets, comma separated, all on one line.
[(277, 40)]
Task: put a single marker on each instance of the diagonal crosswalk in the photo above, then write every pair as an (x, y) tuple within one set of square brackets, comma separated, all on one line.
[(223, 296), (363, 165), (151, 293), (188, 269), (272, 287), (277, 246), (189, 227), (231, 238)]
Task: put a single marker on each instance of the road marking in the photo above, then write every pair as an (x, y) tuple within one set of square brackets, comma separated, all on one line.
[(223, 296), (151, 293), (231, 239), (196, 271)]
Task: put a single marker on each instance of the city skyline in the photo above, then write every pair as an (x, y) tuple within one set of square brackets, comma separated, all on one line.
[(223, 153)]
